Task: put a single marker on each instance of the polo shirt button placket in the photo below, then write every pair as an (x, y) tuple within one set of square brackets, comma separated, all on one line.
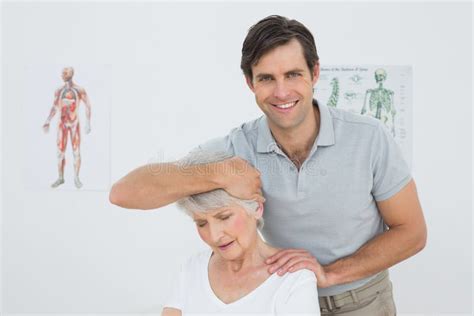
[(301, 180)]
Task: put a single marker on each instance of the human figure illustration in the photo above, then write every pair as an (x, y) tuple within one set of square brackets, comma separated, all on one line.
[(66, 100), (380, 102)]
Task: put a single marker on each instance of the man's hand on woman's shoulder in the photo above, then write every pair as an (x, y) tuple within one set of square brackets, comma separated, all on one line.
[(291, 260)]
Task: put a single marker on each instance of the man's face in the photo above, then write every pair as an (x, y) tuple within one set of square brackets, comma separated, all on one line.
[(229, 231), (283, 86)]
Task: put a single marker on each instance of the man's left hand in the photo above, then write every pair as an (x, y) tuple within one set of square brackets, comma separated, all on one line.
[(291, 260)]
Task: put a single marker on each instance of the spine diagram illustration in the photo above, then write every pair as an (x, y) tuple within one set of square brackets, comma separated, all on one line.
[(335, 93)]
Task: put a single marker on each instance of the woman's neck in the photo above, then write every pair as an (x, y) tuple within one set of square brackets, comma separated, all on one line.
[(252, 259)]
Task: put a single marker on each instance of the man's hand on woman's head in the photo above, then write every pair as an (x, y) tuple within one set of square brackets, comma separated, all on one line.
[(291, 260), (241, 180)]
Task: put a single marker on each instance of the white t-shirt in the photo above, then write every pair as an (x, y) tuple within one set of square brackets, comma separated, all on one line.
[(292, 294)]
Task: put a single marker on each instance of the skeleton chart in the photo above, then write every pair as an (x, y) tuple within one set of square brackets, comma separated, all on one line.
[(382, 92)]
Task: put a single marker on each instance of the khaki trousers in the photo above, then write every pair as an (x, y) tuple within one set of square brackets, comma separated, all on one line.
[(372, 299)]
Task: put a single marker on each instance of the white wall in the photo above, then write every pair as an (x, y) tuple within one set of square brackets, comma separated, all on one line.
[(174, 82)]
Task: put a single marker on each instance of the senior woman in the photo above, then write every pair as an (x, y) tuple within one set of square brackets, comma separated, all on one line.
[(231, 276)]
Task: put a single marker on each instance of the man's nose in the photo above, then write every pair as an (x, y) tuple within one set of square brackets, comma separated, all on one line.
[(281, 90)]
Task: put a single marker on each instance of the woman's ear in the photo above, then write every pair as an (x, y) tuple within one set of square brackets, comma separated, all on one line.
[(259, 211)]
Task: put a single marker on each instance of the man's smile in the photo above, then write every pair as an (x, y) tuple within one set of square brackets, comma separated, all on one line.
[(285, 107)]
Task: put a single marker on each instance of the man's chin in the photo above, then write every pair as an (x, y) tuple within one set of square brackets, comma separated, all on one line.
[(279, 124)]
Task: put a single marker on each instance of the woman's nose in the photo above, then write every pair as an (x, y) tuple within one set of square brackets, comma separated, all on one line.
[(215, 232)]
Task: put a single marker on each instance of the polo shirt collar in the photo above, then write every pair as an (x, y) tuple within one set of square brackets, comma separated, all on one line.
[(326, 128), (266, 143)]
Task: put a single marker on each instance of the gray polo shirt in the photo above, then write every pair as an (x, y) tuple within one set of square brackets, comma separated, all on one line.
[(328, 207)]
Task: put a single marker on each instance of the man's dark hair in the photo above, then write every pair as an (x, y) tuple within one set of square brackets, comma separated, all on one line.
[(271, 32)]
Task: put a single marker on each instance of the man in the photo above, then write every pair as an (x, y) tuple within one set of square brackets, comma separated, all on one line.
[(335, 183), (66, 100)]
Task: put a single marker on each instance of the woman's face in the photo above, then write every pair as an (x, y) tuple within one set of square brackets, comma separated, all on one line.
[(229, 231)]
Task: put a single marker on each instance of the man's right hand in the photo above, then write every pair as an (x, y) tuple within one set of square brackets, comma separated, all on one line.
[(241, 180), (156, 185)]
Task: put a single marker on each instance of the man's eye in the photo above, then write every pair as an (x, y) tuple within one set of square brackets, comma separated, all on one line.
[(202, 224), (265, 79), (293, 75)]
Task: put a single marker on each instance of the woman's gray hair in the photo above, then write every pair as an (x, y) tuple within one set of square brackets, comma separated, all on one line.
[(207, 201)]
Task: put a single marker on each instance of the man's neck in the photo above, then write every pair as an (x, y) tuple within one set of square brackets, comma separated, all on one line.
[(297, 143)]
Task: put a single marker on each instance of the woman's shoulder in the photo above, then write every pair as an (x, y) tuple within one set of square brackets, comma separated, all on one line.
[(301, 283), (304, 274), (300, 277)]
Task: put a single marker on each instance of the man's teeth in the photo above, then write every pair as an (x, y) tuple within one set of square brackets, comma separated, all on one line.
[(286, 105)]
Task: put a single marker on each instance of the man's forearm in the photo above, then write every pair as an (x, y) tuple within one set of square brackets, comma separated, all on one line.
[(378, 254), (156, 185)]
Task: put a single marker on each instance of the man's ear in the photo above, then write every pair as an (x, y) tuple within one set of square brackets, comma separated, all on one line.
[(249, 83), (316, 73)]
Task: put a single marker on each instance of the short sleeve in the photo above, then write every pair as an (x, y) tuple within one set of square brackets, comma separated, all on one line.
[(177, 295), (302, 298), (389, 169), (222, 147), (219, 144)]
